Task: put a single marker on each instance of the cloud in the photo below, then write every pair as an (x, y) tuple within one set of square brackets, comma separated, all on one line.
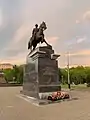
[(81, 57), (1, 20), (86, 16), (17, 46), (19, 41), (77, 21), (52, 40), (81, 53), (80, 60), (75, 42), (17, 55), (20, 34), (18, 59), (63, 22), (80, 40)]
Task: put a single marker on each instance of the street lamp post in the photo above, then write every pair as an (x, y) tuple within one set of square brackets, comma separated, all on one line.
[(62, 79), (68, 72)]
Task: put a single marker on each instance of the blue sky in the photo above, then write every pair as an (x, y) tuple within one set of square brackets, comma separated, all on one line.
[(68, 23)]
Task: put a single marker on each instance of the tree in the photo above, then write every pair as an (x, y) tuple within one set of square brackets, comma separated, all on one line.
[(60, 74), (20, 75), (15, 72), (78, 75), (8, 74), (88, 75), (63, 74)]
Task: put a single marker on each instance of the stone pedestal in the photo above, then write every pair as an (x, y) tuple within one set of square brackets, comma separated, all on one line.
[(41, 72)]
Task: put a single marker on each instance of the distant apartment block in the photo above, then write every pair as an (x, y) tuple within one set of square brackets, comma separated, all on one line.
[(6, 66)]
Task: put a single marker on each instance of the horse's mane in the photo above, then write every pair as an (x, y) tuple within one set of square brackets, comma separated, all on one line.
[(40, 25)]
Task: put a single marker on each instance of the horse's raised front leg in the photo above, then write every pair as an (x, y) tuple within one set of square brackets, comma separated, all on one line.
[(46, 42)]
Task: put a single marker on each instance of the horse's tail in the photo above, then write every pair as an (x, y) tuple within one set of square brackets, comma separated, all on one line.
[(29, 45)]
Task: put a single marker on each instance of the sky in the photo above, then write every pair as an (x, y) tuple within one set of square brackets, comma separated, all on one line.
[(68, 23)]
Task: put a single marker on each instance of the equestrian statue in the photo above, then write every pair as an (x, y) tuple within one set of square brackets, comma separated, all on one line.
[(37, 36)]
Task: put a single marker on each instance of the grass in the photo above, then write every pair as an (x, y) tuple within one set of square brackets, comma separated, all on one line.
[(80, 86)]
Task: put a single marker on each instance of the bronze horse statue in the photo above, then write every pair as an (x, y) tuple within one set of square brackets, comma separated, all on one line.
[(38, 38)]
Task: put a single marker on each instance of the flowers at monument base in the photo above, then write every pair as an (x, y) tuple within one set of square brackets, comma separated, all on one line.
[(58, 96)]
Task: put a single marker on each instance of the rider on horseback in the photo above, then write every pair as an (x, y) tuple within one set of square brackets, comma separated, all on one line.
[(34, 32), (37, 36)]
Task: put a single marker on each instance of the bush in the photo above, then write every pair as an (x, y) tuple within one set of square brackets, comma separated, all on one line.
[(14, 75)]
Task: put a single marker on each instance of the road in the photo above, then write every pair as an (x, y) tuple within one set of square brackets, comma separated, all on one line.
[(13, 107)]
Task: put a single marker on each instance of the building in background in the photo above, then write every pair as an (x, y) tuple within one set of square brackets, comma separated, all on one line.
[(6, 66)]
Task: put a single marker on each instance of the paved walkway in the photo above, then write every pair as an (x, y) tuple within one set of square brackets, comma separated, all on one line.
[(14, 108)]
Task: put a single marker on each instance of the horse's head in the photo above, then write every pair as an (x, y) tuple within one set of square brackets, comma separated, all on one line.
[(43, 25)]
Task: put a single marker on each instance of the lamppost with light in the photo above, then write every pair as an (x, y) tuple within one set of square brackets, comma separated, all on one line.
[(69, 86)]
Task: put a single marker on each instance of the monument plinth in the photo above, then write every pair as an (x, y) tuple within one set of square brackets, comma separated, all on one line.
[(41, 69), (41, 72)]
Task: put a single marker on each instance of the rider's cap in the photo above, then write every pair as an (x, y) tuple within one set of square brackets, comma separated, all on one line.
[(36, 25)]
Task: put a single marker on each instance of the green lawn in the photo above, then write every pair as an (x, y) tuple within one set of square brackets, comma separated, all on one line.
[(80, 86)]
